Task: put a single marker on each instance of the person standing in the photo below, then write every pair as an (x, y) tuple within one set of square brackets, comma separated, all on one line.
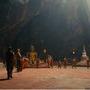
[(9, 62), (74, 62), (50, 61), (88, 63), (18, 59), (65, 62), (59, 64), (37, 62)]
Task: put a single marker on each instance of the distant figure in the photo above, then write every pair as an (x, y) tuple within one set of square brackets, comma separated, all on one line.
[(88, 63), (9, 62), (65, 62), (59, 64), (25, 63), (18, 60), (37, 62), (74, 62), (50, 61)]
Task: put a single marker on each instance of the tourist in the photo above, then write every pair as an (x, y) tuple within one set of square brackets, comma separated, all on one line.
[(9, 62), (37, 62), (65, 62), (50, 61), (74, 62), (18, 59), (88, 63), (59, 64)]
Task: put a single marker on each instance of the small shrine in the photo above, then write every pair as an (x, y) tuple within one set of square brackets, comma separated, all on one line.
[(84, 54), (84, 58)]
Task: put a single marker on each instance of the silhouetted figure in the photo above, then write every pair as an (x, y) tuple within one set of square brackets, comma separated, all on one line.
[(59, 64), (51, 64), (88, 63), (65, 62), (37, 62), (74, 62), (9, 62), (48, 63), (18, 59)]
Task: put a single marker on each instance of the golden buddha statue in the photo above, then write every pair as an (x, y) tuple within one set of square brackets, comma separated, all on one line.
[(32, 55)]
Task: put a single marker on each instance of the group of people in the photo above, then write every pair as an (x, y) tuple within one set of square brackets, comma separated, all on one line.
[(15, 58), (60, 63)]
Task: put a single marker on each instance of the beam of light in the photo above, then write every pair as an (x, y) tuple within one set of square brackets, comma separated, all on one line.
[(64, 1), (88, 11), (88, 2)]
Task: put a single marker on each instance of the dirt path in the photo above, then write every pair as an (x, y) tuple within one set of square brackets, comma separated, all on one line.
[(47, 78)]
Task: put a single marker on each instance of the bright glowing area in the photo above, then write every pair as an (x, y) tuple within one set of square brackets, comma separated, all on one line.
[(64, 1), (88, 1)]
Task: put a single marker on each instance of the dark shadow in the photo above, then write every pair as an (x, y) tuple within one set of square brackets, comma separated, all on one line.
[(87, 88), (4, 79)]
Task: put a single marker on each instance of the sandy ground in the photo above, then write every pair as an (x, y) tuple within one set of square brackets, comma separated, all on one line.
[(47, 78)]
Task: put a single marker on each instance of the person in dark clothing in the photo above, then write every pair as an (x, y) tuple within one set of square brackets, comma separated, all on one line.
[(65, 62), (88, 63), (59, 64), (9, 62), (51, 63), (37, 62)]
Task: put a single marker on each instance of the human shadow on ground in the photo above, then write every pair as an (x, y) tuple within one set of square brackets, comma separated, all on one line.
[(4, 79)]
